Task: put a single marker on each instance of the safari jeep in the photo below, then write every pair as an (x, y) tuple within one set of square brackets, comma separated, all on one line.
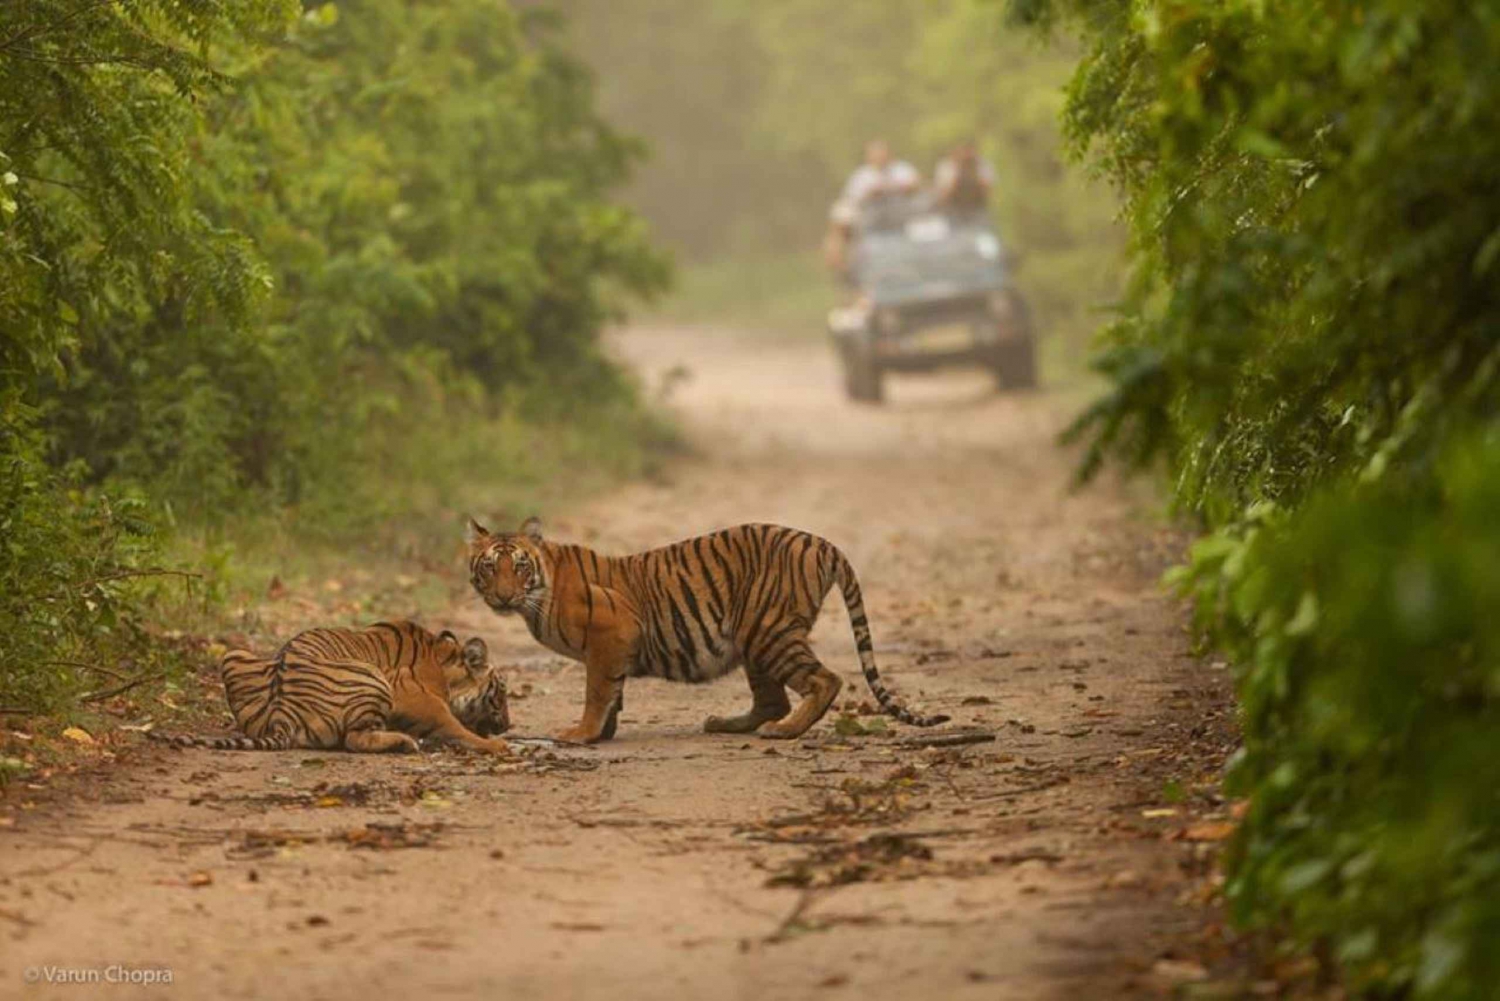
[(933, 291)]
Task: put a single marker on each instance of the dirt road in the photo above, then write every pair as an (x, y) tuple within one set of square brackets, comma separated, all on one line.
[(673, 864)]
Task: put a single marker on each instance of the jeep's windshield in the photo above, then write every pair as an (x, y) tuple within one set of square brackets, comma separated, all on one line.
[(883, 213)]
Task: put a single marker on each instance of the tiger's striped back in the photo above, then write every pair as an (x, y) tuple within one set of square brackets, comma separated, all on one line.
[(320, 686), (325, 684), (692, 611)]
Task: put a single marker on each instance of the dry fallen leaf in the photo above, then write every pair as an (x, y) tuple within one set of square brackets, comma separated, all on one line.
[(200, 879), (1179, 971), (1164, 812), (1209, 832), (329, 801), (276, 589), (78, 734)]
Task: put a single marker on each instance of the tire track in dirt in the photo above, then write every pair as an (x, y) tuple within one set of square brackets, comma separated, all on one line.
[(671, 863)]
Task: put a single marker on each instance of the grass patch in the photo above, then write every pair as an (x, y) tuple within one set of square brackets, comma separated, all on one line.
[(783, 295), (390, 541)]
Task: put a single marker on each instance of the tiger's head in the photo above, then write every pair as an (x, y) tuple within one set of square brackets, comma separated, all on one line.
[(477, 694), (509, 569)]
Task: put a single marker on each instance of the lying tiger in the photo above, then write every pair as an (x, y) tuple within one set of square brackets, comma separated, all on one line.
[(367, 690), (692, 611)]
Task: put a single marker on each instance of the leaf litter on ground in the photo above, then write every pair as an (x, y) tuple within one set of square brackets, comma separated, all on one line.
[(375, 836)]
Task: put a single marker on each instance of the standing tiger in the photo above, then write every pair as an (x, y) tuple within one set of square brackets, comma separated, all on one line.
[(691, 611), (354, 689)]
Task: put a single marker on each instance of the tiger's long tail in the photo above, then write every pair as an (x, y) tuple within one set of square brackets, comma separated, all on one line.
[(843, 575), (280, 742)]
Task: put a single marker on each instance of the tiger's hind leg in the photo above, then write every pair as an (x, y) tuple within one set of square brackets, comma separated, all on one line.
[(800, 670), (379, 742), (612, 724), (770, 703)]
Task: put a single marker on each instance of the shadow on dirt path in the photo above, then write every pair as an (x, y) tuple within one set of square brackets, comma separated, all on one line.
[(672, 864)]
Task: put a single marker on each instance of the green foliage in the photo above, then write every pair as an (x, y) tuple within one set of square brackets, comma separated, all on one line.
[(259, 258), (1314, 231), (98, 235), (1370, 688), (425, 186), (76, 571), (97, 104), (1310, 346)]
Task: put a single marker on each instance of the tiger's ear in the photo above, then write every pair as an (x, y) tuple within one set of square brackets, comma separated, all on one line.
[(475, 532), (476, 656), (532, 528)]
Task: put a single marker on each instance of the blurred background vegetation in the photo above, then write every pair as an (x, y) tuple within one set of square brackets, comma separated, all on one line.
[(1310, 348), (755, 113)]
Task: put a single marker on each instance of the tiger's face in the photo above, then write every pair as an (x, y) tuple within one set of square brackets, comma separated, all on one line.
[(477, 694), (508, 570)]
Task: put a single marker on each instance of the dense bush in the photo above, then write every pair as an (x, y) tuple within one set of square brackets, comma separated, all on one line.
[(422, 187), (77, 569), (1311, 346), (1370, 679), (275, 257)]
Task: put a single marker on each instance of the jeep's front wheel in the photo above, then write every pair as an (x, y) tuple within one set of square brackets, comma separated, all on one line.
[(864, 382), (1013, 359)]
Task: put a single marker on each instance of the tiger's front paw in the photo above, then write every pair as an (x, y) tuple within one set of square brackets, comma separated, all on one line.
[(780, 731), (579, 735)]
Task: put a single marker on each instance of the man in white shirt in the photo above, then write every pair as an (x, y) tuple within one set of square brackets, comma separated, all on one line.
[(963, 179), (880, 174)]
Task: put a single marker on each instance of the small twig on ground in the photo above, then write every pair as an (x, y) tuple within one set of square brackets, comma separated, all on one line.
[(943, 832), (1016, 858), (945, 740), (792, 920), (47, 870), (119, 675), (131, 574), (97, 696), (526, 741), (19, 919), (942, 773), (1023, 790)]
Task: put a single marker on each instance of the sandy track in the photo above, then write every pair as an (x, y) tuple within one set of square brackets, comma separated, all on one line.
[(640, 869)]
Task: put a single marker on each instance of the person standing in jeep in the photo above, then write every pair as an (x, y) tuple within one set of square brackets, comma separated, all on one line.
[(963, 179), (880, 174)]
